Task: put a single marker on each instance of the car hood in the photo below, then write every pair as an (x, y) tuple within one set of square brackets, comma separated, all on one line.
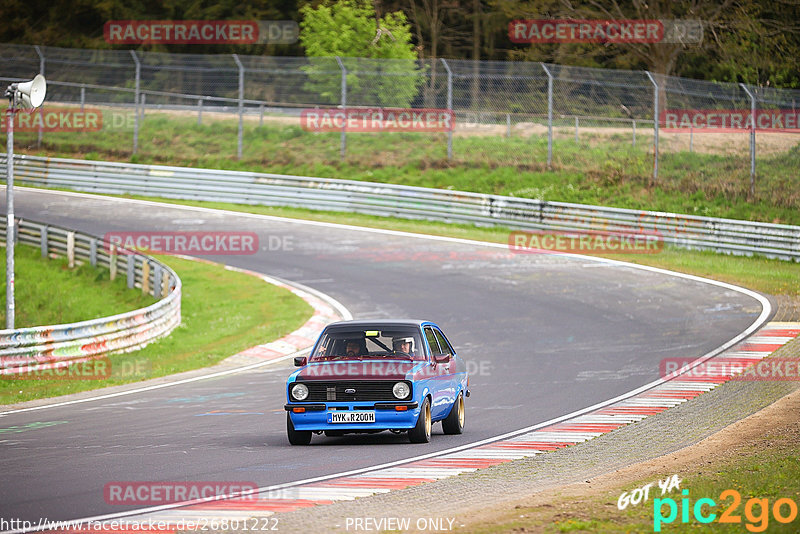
[(359, 370)]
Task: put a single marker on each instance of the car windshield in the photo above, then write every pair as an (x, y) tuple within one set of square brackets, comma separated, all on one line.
[(361, 344)]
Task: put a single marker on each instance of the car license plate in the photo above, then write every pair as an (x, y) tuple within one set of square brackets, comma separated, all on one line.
[(351, 417)]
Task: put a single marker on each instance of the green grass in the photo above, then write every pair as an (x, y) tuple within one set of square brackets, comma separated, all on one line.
[(599, 170), (223, 312), (47, 292)]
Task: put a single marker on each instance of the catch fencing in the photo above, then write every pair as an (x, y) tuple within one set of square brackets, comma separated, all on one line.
[(498, 100), (693, 232), (24, 350)]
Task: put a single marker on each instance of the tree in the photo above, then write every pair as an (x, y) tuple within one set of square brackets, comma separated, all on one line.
[(352, 29)]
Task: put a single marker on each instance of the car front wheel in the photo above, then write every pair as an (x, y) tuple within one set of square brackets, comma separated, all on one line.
[(454, 423), (296, 437), (421, 433)]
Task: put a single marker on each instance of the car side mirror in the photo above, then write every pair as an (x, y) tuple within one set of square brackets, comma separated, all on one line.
[(441, 358), (300, 361)]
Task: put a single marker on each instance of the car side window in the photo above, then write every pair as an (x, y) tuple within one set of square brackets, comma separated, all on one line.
[(443, 343), (431, 337)]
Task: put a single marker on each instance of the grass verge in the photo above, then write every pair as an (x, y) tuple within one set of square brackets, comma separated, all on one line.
[(49, 292), (223, 312), (601, 169)]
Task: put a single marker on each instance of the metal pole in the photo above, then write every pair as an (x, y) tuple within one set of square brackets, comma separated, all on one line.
[(199, 111), (634, 132), (508, 125), (10, 218), (549, 115), (343, 146), (41, 71), (655, 124), (450, 108), (136, 102), (576, 130), (83, 96), (752, 140), (241, 105)]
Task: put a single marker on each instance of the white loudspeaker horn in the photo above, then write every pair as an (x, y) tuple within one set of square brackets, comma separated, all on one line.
[(32, 92)]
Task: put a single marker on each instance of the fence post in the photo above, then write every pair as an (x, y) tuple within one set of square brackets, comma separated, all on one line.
[(343, 146), (508, 125), (136, 101), (576, 130), (752, 140), (241, 105), (655, 124), (450, 108), (43, 242), (199, 111), (549, 115), (83, 96), (634, 132), (41, 71)]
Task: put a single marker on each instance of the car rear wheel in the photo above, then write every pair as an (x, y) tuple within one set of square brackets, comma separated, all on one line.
[(421, 433), (454, 423), (296, 437)]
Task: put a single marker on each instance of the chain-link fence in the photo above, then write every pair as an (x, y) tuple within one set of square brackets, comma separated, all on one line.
[(528, 114)]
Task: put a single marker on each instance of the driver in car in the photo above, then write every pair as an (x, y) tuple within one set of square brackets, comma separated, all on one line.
[(403, 344), (353, 348)]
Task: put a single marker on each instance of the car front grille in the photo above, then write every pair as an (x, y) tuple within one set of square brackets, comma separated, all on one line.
[(365, 390)]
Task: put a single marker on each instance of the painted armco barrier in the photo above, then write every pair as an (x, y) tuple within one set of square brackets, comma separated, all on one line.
[(675, 389), (686, 231), (30, 350)]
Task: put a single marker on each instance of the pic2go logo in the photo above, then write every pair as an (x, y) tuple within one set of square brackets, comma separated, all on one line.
[(756, 511)]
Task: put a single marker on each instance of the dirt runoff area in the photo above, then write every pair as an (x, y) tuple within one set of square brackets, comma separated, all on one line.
[(592, 506)]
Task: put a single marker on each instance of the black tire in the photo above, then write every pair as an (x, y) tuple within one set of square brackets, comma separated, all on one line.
[(454, 422), (421, 433), (296, 437)]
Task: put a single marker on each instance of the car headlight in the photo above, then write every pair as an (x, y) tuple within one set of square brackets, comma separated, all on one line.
[(401, 390), (300, 392)]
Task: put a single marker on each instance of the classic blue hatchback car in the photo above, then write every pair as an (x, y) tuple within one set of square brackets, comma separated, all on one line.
[(370, 376)]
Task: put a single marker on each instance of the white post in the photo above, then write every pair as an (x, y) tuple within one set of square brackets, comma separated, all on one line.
[(655, 124), (549, 115)]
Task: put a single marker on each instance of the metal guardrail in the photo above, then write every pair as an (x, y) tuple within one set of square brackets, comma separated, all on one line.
[(687, 231), (47, 347)]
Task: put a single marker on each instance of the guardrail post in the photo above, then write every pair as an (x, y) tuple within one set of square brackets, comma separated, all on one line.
[(450, 108), (241, 106), (112, 261), (343, 146), (41, 71), (165, 279), (93, 252), (71, 250), (145, 276), (752, 140), (131, 271), (83, 96), (549, 115), (43, 242), (655, 124)]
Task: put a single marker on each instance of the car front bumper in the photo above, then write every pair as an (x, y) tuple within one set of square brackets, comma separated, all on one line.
[(387, 415)]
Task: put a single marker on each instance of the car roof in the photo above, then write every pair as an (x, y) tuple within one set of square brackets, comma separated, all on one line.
[(379, 323)]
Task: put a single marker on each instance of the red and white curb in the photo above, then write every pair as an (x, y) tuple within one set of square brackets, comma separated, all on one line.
[(582, 428)]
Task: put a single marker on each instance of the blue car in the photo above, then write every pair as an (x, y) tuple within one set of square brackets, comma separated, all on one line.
[(371, 376)]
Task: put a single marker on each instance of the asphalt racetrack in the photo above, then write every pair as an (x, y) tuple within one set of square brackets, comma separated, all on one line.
[(543, 335)]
